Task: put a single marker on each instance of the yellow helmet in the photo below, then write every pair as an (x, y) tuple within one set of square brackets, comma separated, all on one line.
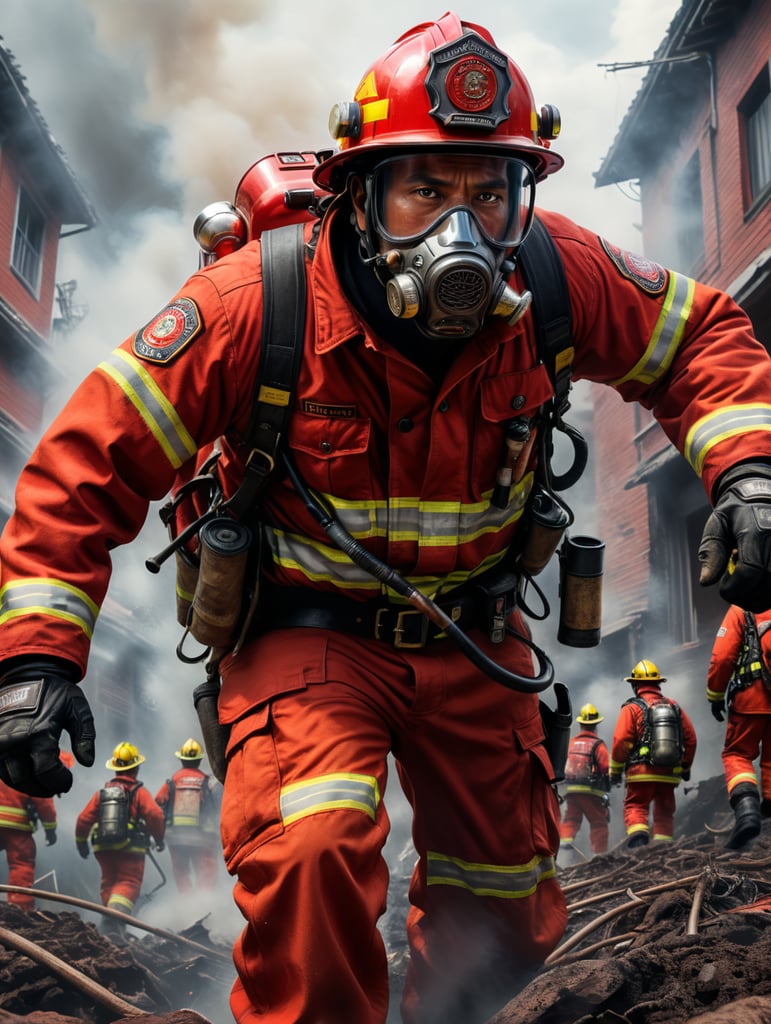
[(589, 715), (124, 756), (191, 750), (646, 672)]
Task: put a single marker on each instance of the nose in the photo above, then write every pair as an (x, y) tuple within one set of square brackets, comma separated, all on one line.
[(459, 232)]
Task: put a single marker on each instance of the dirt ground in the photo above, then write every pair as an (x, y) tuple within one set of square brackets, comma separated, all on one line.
[(666, 934)]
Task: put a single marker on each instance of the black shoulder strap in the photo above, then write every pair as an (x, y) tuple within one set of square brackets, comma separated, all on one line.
[(283, 333), (544, 275)]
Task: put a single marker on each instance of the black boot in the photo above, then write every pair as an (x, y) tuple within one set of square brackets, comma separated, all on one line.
[(745, 801), (637, 839)]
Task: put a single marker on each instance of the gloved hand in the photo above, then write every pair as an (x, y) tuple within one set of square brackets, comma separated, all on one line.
[(37, 702), (616, 778), (82, 846), (50, 836), (160, 846), (685, 774), (717, 707), (736, 542)]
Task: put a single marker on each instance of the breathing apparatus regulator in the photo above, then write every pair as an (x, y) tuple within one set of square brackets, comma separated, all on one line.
[(448, 274)]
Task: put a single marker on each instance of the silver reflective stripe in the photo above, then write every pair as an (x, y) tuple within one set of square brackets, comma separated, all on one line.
[(330, 793), (667, 333), (509, 882), (152, 405), (48, 597), (718, 426)]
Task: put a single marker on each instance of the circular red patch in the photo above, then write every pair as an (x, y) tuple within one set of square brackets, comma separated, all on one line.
[(471, 84), (166, 328)]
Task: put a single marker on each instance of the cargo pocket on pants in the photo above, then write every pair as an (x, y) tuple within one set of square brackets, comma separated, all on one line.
[(251, 811)]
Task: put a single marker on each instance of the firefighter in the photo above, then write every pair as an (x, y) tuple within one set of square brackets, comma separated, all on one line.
[(19, 817), (741, 687), (587, 784), (653, 755), (190, 802), (120, 820), (419, 355)]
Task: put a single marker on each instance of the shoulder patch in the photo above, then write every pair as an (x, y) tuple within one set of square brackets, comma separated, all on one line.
[(649, 276), (169, 332)]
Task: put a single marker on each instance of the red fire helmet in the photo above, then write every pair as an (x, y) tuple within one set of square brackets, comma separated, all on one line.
[(442, 84)]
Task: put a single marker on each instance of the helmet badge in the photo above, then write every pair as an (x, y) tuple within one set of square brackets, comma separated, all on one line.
[(468, 82)]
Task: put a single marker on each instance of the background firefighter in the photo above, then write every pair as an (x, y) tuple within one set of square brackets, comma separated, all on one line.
[(120, 820), (408, 386), (651, 779), (586, 784), (739, 681), (190, 801), (19, 816)]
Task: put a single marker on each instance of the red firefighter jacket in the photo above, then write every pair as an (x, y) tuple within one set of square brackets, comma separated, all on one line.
[(629, 732), (145, 818), (754, 699), (586, 769), (21, 812), (408, 466)]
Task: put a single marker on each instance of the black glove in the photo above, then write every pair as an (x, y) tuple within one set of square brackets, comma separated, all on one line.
[(50, 836), (685, 774), (37, 702), (160, 846), (717, 707), (736, 542), (82, 846), (616, 778)]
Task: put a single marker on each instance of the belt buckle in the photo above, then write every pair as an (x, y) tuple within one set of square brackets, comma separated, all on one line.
[(399, 629)]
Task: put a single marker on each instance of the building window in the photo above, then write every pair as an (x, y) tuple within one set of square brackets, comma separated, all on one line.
[(28, 235), (689, 216), (755, 114)]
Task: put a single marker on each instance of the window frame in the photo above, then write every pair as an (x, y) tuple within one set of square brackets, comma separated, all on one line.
[(756, 99), (27, 251)]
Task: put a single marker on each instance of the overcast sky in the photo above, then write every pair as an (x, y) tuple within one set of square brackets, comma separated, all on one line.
[(162, 106)]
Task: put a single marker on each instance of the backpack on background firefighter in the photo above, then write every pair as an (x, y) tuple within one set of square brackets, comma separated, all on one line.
[(274, 199), (751, 663), (586, 790)]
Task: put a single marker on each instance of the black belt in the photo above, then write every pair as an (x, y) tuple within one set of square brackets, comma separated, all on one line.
[(402, 626)]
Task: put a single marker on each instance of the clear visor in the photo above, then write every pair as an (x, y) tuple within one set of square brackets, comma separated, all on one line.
[(412, 194)]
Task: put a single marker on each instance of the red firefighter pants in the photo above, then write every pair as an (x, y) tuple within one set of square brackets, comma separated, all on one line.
[(746, 737), (194, 867), (20, 853), (585, 805), (637, 805), (304, 824), (122, 875)]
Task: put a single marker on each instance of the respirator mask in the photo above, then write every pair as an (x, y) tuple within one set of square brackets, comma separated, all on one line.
[(440, 230)]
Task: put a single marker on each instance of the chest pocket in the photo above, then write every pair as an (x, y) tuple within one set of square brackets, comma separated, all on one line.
[(332, 453), (502, 399)]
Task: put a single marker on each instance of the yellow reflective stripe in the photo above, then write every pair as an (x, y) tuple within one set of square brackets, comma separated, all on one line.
[(574, 787), (661, 838), (119, 902), (742, 777), (729, 421), (713, 695), (185, 821), (667, 333), (505, 881), (152, 405), (637, 828), (330, 793), (652, 777), (44, 596), (616, 766), (375, 110), (15, 818)]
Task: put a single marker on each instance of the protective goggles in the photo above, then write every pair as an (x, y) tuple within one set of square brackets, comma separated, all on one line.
[(411, 195)]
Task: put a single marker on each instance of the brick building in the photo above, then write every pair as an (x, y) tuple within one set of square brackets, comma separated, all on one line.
[(696, 141)]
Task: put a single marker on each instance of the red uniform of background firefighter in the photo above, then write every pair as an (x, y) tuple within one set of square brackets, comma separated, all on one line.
[(190, 802), (655, 753), (416, 459), (587, 784), (19, 816), (120, 820), (739, 680)]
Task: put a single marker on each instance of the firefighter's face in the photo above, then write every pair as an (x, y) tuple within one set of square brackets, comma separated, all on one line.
[(412, 195)]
